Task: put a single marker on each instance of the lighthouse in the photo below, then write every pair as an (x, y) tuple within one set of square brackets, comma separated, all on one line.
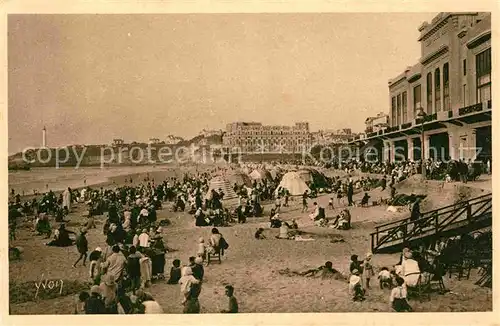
[(44, 137)]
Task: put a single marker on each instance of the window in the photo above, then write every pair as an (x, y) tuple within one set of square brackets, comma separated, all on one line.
[(483, 75), (399, 110), (393, 109), (429, 93), (465, 96), (405, 107), (437, 87), (446, 87), (465, 67), (417, 99)]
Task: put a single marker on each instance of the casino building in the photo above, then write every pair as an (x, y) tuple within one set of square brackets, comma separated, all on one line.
[(445, 98), (254, 137)]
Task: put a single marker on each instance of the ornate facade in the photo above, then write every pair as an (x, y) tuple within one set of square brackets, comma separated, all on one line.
[(254, 137), (451, 85)]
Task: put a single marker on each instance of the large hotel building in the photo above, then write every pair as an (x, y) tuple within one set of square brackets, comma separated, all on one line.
[(446, 96), (253, 137)]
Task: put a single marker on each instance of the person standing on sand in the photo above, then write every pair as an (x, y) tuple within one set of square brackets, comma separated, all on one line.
[(83, 247), (304, 201), (350, 193)]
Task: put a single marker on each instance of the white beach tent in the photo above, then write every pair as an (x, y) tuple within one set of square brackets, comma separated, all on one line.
[(293, 183)]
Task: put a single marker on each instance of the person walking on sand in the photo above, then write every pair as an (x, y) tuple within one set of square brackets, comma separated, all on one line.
[(83, 247)]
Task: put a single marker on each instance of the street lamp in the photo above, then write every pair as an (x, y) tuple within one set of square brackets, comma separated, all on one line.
[(422, 115)]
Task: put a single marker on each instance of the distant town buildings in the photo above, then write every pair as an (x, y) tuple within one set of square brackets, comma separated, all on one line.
[(447, 94), (154, 141), (377, 123), (172, 140), (118, 142), (254, 137), (325, 137), (209, 133)]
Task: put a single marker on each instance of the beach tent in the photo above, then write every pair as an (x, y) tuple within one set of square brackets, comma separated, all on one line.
[(221, 183), (275, 172), (239, 178), (312, 176), (293, 183), (260, 174)]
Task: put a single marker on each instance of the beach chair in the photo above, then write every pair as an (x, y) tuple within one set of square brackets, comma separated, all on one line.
[(420, 290), (214, 255)]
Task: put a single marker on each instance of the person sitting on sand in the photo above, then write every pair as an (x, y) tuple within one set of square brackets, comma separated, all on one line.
[(325, 271), (343, 220), (42, 225), (275, 221), (175, 272), (364, 200), (315, 214), (284, 231), (259, 234), (61, 237)]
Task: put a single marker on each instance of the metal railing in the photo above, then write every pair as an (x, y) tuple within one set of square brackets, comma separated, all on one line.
[(430, 223)]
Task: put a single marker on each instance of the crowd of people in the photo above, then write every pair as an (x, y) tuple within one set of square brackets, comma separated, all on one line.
[(436, 169), (134, 249)]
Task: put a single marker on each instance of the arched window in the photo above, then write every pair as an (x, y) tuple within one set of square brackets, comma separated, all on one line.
[(429, 93), (437, 87), (446, 87)]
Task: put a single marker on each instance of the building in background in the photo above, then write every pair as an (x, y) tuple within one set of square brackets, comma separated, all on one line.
[(210, 133), (254, 137), (326, 137), (451, 85), (172, 140), (154, 141), (377, 123)]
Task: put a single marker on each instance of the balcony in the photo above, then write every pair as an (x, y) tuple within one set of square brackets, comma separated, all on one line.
[(406, 125), (472, 108), (428, 118), (391, 129)]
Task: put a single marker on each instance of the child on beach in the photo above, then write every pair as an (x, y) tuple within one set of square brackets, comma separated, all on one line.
[(355, 286), (368, 269), (398, 298), (175, 272), (385, 278), (355, 264)]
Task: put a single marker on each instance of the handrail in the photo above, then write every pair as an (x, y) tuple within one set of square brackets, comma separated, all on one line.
[(452, 206), (436, 220)]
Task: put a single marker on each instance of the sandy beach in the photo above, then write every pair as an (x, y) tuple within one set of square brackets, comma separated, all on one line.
[(252, 266)]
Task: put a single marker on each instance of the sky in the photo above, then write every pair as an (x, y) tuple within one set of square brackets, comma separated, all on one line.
[(91, 78)]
